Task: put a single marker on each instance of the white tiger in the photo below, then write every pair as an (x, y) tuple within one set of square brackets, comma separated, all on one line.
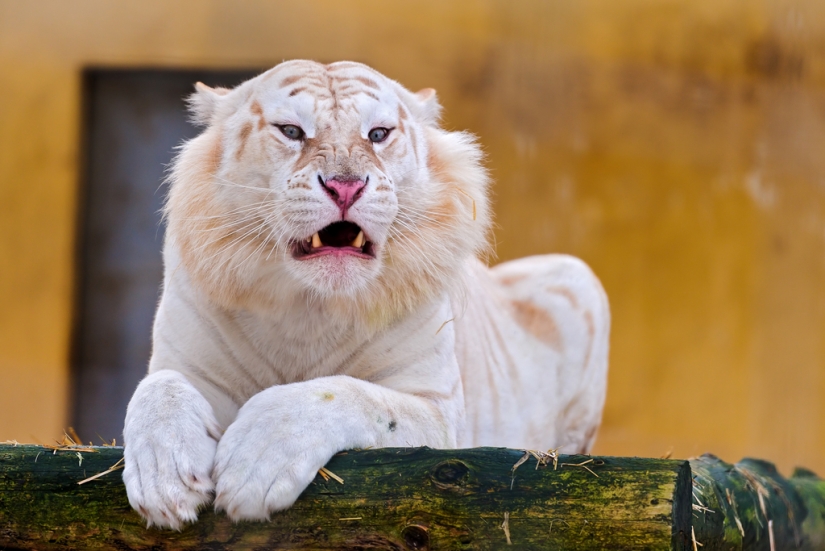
[(322, 292)]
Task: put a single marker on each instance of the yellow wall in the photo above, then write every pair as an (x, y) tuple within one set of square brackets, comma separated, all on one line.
[(676, 145)]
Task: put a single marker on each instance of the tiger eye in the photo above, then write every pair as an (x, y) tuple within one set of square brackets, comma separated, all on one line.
[(291, 131), (378, 135)]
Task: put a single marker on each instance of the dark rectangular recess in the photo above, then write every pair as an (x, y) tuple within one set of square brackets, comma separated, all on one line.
[(134, 120)]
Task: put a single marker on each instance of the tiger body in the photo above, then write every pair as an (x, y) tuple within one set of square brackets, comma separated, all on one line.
[(323, 292)]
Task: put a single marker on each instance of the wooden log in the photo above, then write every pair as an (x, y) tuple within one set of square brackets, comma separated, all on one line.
[(750, 506), (390, 499)]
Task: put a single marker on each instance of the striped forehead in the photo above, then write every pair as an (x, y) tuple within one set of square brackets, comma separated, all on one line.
[(314, 96), (338, 82)]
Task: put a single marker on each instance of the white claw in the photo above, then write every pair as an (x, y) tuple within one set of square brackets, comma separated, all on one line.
[(316, 241), (358, 242)]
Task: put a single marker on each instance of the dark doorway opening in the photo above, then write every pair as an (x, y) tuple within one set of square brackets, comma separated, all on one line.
[(134, 121)]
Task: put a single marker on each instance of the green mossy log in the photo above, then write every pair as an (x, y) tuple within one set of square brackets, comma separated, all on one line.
[(436, 499), (750, 506), (390, 499)]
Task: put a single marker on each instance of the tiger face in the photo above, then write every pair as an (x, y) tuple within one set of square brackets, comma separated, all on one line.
[(327, 180)]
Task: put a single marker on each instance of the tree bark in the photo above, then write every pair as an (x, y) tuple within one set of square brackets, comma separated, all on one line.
[(390, 499)]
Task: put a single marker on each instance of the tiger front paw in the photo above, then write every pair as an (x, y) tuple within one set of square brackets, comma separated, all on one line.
[(268, 456), (169, 450)]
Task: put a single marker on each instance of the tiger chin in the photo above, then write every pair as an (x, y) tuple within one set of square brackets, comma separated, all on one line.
[(323, 291)]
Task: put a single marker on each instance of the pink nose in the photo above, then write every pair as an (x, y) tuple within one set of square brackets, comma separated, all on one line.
[(344, 192)]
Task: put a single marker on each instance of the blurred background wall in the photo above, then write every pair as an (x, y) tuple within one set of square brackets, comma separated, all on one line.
[(675, 145)]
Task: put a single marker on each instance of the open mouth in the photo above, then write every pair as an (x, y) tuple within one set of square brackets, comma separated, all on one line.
[(339, 238)]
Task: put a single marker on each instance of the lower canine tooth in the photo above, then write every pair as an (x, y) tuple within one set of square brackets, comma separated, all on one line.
[(316, 241), (358, 242)]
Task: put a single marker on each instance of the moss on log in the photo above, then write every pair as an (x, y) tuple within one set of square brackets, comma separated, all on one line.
[(436, 499), (750, 506), (390, 499)]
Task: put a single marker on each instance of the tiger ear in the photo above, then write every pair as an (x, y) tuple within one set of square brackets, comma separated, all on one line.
[(429, 110), (204, 103)]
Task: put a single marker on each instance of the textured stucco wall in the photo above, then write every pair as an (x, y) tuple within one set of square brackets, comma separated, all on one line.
[(676, 145)]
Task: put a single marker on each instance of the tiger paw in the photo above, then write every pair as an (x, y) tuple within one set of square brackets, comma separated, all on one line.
[(268, 456), (169, 451)]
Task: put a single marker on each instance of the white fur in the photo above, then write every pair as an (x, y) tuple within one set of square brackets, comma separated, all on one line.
[(265, 366)]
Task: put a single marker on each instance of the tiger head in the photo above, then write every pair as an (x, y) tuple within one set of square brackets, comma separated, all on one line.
[(325, 181)]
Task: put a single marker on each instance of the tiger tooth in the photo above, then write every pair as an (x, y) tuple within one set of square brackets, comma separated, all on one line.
[(358, 242), (316, 241)]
